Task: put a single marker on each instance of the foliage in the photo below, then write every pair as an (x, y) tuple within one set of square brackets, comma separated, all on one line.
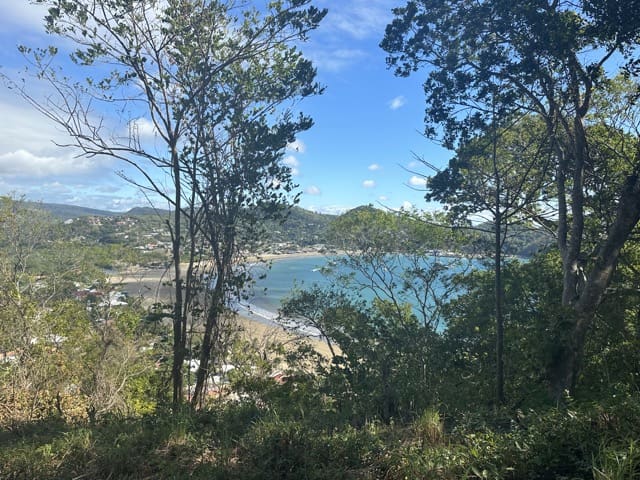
[(501, 60), (241, 440), (382, 365), (62, 355)]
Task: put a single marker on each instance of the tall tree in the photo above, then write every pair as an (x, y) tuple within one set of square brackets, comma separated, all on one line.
[(492, 184), (236, 139), (548, 57), (145, 57)]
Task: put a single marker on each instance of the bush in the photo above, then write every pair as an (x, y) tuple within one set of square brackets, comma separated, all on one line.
[(289, 449)]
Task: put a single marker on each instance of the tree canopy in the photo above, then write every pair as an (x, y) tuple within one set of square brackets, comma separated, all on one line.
[(486, 59)]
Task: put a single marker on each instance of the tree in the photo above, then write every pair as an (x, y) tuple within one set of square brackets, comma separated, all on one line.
[(59, 355), (146, 57), (550, 58), (236, 139), (384, 363), (500, 180), (382, 315), (468, 344), (394, 257)]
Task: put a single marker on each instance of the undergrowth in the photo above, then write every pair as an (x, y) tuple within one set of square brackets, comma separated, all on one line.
[(244, 441)]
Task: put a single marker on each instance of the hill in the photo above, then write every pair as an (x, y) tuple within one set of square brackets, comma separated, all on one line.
[(302, 227), (64, 212)]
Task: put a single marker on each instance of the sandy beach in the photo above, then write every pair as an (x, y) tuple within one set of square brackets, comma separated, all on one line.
[(152, 286)]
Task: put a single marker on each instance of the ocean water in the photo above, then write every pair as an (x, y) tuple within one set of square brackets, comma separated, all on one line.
[(284, 275), (288, 273)]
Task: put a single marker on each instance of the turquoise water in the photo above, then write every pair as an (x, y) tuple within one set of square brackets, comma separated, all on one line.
[(288, 273), (281, 278)]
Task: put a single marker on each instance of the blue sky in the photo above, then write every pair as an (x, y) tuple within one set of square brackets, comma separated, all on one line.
[(361, 149)]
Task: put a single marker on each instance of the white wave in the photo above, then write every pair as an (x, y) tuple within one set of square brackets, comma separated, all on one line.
[(253, 310)]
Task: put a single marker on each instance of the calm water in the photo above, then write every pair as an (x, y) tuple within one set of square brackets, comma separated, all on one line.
[(284, 275)]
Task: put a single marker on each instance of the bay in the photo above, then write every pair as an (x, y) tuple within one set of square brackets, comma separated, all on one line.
[(286, 274)]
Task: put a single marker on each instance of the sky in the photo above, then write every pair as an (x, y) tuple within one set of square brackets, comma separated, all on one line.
[(361, 150)]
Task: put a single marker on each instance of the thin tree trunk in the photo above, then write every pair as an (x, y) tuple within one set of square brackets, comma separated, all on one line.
[(499, 290), (499, 302), (179, 324), (212, 323)]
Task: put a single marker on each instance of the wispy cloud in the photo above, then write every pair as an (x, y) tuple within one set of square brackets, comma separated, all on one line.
[(369, 184), (22, 163), (142, 128), (21, 16), (359, 23), (358, 19), (312, 190), (397, 102), (374, 166), (335, 60)]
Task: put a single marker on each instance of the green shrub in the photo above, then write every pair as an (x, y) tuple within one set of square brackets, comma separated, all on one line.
[(287, 449)]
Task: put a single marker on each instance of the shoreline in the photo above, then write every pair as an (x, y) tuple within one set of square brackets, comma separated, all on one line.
[(149, 285), (166, 274)]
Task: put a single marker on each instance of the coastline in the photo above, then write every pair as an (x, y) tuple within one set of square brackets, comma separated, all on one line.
[(150, 286)]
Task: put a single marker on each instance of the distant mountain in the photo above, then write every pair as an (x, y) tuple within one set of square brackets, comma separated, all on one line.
[(64, 211)]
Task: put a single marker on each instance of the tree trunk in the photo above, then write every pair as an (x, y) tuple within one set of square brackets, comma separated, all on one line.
[(211, 324), (566, 364), (499, 302), (179, 323), (499, 289)]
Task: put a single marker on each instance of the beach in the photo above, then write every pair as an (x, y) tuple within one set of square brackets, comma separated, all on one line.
[(152, 285)]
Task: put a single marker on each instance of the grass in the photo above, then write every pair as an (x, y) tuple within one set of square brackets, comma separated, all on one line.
[(243, 441)]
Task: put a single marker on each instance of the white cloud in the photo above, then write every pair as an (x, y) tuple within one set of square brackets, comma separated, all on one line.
[(358, 19), (406, 205), (383, 198), (397, 102), (56, 187), (369, 184), (374, 166), (18, 15), (416, 181), (21, 163), (329, 209), (335, 60), (142, 128), (293, 163), (312, 190), (22, 125), (297, 146)]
